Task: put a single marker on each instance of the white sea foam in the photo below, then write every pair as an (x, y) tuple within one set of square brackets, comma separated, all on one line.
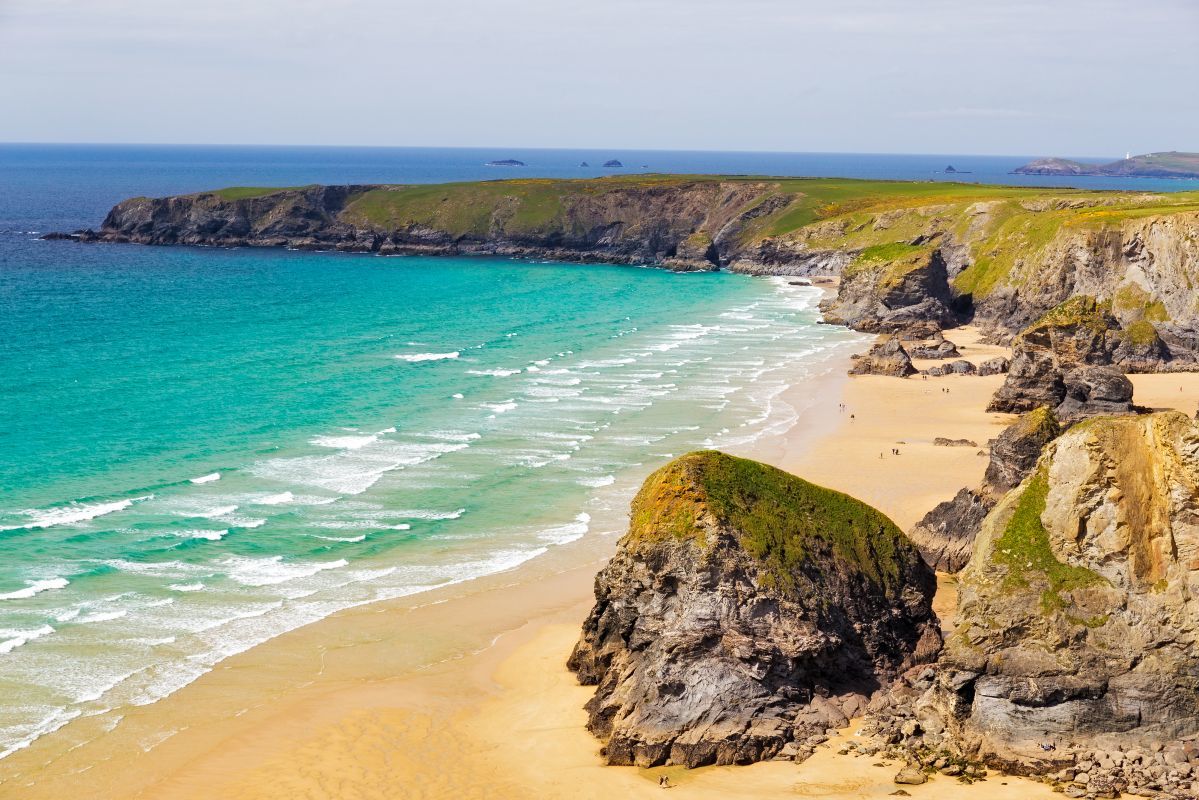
[(10, 640), (215, 476), (272, 570), (422, 513), (595, 483), (456, 395), (564, 534), (352, 471), (452, 436), (101, 616), (344, 442), (501, 407), (212, 536), (71, 514), (35, 587), (186, 587), (417, 357), (343, 538), (495, 373), (276, 499)]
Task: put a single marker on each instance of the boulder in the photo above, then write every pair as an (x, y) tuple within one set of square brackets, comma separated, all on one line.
[(1095, 390), (885, 358), (910, 776), (744, 610), (939, 348), (960, 367), (1078, 615), (994, 366), (1034, 379)]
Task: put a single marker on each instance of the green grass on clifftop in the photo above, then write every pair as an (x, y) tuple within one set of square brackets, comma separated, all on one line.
[(1007, 229), (779, 518)]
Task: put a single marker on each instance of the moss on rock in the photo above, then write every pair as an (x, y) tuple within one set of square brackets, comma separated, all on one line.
[(780, 519)]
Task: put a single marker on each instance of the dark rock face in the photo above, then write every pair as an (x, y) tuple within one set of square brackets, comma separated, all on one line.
[(946, 534), (1095, 390), (745, 611), (912, 299), (1034, 379), (884, 358), (1014, 452)]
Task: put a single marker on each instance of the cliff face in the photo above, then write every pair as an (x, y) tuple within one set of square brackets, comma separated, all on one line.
[(679, 224), (915, 257), (746, 612), (1077, 616)]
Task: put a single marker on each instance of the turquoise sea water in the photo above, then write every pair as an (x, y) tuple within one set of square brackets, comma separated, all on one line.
[(205, 448), (202, 449)]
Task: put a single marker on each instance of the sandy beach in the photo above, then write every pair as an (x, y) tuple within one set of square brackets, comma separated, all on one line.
[(463, 692)]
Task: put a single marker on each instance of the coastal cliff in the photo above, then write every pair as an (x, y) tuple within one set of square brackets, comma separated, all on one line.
[(745, 614), (915, 257), (1074, 655)]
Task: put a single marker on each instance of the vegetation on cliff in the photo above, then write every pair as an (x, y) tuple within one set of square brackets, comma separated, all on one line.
[(779, 519)]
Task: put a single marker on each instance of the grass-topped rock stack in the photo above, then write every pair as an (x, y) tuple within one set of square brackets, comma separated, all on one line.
[(745, 613), (1078, 614)]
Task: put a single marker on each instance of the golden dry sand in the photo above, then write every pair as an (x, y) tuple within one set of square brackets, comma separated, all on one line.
[(463, 693)]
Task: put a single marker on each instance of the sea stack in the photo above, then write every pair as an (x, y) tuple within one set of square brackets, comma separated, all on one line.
[(745, 613), (1078, 617)]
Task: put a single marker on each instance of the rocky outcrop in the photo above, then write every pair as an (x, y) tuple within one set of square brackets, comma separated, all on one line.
[(998, 365), (1078, 617), (885, 358), (1091, 391), (745, 612), (905, 294), (1034, 379), (682, 222), (937, 349), (946, 534), (1014, 452), (1058, 361)]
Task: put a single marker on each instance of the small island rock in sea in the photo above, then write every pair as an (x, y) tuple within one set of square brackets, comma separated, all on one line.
[(506, 162)]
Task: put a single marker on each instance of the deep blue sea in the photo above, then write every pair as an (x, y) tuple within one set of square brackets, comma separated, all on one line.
[(203, 448)]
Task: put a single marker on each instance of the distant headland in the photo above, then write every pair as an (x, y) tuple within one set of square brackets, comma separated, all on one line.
[(1151, 165)]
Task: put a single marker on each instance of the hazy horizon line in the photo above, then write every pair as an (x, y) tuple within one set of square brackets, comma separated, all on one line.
[(530, 148)]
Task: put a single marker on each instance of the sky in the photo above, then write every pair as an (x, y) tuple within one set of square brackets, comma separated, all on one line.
[(1090, 78)]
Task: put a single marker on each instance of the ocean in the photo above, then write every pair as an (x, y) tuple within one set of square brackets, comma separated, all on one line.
[(205, 448)]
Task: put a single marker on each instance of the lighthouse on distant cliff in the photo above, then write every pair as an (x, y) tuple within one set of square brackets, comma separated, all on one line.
[(1127, 156)]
